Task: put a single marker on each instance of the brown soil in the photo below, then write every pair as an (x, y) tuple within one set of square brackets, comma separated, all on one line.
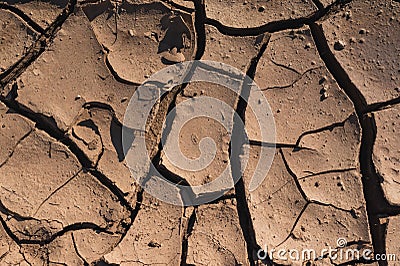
[(329, 70)]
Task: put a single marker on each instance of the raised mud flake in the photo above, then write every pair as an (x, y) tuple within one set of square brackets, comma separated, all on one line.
[(386, 153), (81, 77), (234, 51), (371, 57), (143, 38), (216, 238), (288, 57), (238, 13), (92, 245), (154, 237), (15, 39), (42, 12), (98, 132)]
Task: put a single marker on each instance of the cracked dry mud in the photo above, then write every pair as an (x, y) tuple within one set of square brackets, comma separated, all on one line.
[(329, 70)]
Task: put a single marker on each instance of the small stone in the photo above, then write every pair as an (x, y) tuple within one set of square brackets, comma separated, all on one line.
[(323, 79), (92, 145), (124, 99), (362, 31), (324, 96), (78, 97), (362, 40), (173, 56), (154, 244), (261, 9), (307, 46), (339, 45), (323, 90), (131, 32)]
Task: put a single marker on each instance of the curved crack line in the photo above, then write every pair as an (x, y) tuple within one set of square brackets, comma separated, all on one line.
[(330, 128), (286, 67), (85, 263), (178, 6), (112, 71), (276, 26), (15, 147), (294, 82), (69, 228), (18, 12)]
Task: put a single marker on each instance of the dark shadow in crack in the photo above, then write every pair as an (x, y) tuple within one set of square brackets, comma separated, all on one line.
[(116, 130)]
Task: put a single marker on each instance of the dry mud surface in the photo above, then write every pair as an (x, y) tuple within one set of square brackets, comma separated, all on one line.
[(330, 71)]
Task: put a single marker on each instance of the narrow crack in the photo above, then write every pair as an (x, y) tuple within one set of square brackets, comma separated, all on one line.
[(113, 72), (243, 211), (37, 48), (178, 6), (382, 105), (188, 229), (85, 263), (15, 147), (312, 174), (300, 76), (330, 128), (55, 191), (199, 26), (276, 26), (306, 198), (278, 145), (23, 16)]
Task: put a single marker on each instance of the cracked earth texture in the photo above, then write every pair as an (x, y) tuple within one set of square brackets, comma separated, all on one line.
[(330, 71)]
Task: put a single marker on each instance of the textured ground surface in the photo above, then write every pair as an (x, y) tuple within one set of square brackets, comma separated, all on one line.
[(330, 71)]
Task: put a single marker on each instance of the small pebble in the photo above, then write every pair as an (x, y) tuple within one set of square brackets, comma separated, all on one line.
[(339, 45), (308, 45), (261, 9), (324, 96), (124, 99), (323, 79), (132, 33), (78, 97), (362, 40), (362, 31), (353, 40), (154, 244)]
